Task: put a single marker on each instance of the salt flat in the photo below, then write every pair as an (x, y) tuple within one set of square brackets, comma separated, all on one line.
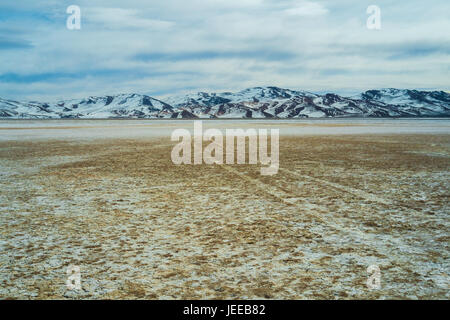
[(101, 129), (105, 196)]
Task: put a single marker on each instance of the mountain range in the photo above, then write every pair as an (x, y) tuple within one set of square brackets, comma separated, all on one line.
[(258, 102)]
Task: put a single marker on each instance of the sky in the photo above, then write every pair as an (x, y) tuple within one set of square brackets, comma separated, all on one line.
[(171, 47)]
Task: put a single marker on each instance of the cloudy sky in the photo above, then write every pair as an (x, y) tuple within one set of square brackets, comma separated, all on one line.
[(162, 47)]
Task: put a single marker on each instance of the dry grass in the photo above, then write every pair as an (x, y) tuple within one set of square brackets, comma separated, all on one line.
[(141, 227)]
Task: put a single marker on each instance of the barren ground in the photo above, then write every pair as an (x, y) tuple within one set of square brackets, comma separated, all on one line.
[(140, 227)]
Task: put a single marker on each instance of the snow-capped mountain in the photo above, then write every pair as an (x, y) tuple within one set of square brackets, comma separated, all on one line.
[(267, 102), (412, 101), (122, 105)]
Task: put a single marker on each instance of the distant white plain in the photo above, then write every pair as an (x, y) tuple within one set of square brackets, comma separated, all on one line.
[(122, 129)]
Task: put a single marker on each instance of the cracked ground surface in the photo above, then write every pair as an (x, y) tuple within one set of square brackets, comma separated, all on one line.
[(141, 227)]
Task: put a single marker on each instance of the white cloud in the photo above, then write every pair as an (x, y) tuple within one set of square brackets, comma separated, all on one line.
[(312, 45), (119, 18), (307, 8)]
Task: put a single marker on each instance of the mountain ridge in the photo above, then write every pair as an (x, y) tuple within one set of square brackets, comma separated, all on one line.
[(257, 102)]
